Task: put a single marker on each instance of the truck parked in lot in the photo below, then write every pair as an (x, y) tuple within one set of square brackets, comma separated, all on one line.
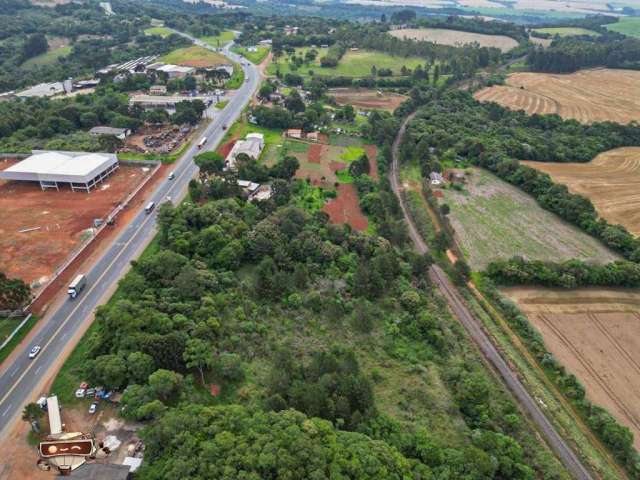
[(77, 286)]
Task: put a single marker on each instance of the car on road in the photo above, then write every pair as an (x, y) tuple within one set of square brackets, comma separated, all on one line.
[(172, 176), (224, 127), (34, 351), (93, 407)]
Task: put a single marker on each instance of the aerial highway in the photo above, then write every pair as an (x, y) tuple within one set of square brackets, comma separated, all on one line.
[(473, 326), (20, 379)]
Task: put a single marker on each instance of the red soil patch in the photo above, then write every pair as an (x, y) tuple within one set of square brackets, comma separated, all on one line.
[(335, 166), (226, 148), (345, 208), (61, 216), (214, 389), (372, 153), (314, 154)]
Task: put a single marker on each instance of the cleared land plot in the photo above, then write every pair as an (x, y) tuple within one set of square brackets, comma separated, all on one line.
[(219, 40), (368, 99), (345, 208), (64, 218), (197, 57), (626, 25), (161, 31), (455, 37), (595, 334), (611, 181), (353, 64), (567, 31), (494, 220), (58, 47), (588, 95)]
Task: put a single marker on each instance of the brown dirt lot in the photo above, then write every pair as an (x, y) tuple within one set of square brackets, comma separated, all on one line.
[(610, 181), (587, 96), (346, 209), (595, 334), (367, 98), (444, 36), (63, 218)]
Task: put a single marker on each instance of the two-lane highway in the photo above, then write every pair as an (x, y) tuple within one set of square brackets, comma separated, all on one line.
[(20, 380)]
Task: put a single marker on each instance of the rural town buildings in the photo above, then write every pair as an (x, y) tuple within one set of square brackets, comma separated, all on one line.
[(158, 90), (251, 146), (82, 171)]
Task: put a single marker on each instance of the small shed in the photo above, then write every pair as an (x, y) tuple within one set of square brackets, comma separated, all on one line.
[(436, 179)]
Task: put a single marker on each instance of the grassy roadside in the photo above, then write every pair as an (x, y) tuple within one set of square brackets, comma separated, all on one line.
[(71, 373), (15, 341), (254, 57), (569, 424), (236, 79)]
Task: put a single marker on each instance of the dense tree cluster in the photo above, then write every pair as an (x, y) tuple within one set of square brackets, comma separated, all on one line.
[(569, 274), (455, 126), (14, 293)]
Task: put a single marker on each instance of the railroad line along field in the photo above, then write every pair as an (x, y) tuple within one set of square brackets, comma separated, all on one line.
[(494, 220), (455, 37), (60, 221), (595, 333), (611, 181), (588, 96)]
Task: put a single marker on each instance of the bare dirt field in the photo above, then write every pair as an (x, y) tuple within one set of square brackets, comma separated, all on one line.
[(455, 37), (595, 334), (588, 95), (611, 181), (494, 220), (345, 208), (368, 99), (64, 219)]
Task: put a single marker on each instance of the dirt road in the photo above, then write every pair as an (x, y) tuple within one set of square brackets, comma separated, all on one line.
[(473, 326)]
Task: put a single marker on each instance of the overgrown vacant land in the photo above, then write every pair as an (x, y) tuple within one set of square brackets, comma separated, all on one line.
[(587, 96), (595, 333), (494, 220), (611, 181), (368, 98), (456, 37)]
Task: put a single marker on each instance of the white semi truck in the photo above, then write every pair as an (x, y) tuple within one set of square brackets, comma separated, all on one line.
[(77, 286)]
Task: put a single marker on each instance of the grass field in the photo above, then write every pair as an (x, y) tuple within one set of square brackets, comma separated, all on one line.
[(610, 181), (352, 64), (195, 57), (455, 37), (567, 31), (161, 31), (49, 57), (220, 40), (254, 57), (494, 220), (626, 25), (595, 334), (587, 95)]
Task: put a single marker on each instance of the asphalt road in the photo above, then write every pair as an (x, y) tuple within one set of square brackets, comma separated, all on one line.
[(473, 326), (20, 379)]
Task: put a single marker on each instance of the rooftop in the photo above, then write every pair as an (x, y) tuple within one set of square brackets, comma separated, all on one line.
[(101, 471)]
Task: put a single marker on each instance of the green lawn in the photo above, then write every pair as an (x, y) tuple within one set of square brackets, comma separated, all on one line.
[(236, 79), (194, 57), (6, 327), (567, 31), (222, 104), (352, 64), (254, 57), (626, 25), (220, 40), (49, 57), (161, 31)]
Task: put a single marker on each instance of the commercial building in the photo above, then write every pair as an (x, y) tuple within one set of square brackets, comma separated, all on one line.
[(82, 171), (165, 101), (158, 90), (252, 146), (172, 71), (119, 133)]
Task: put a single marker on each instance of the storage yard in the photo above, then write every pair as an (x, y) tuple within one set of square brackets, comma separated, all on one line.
[(588, 95), (595, 334), (39, 229)]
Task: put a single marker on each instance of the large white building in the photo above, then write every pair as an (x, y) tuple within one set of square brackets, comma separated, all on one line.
[(82, 171), (252, 146)]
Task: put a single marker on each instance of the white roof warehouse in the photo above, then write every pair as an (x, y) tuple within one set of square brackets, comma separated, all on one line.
[(82, 171)]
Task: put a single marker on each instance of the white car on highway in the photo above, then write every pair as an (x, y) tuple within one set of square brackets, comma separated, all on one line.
[(34, 351)]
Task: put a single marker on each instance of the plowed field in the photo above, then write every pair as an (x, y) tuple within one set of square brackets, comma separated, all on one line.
[(611, 181), (595, 334), (455, 38), (587, 96)]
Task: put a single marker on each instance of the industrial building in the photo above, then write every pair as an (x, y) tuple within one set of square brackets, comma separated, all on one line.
[(82, 171), (165, 101)]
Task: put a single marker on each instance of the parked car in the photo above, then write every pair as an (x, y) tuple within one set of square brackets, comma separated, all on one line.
[(93, 407), (91, 392), (80, 392), (34, 351)]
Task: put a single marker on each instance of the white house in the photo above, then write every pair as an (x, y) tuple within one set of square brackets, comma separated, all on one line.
[(252, 145)]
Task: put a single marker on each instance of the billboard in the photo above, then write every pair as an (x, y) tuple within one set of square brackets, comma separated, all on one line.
[(56, 448)]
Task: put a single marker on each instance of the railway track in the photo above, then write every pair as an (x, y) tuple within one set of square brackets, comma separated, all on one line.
[(474, 328)]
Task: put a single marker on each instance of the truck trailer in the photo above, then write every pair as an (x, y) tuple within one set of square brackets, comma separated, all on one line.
[(77, 286)]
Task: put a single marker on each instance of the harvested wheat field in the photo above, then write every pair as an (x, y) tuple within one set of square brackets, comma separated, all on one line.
[(595, 334), (611, 181), (367, 98), (455, 38), (587, 96)]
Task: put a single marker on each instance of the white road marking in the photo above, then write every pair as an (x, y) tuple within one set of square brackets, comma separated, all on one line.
[(15, 370), (7, 410), (38, 369)]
